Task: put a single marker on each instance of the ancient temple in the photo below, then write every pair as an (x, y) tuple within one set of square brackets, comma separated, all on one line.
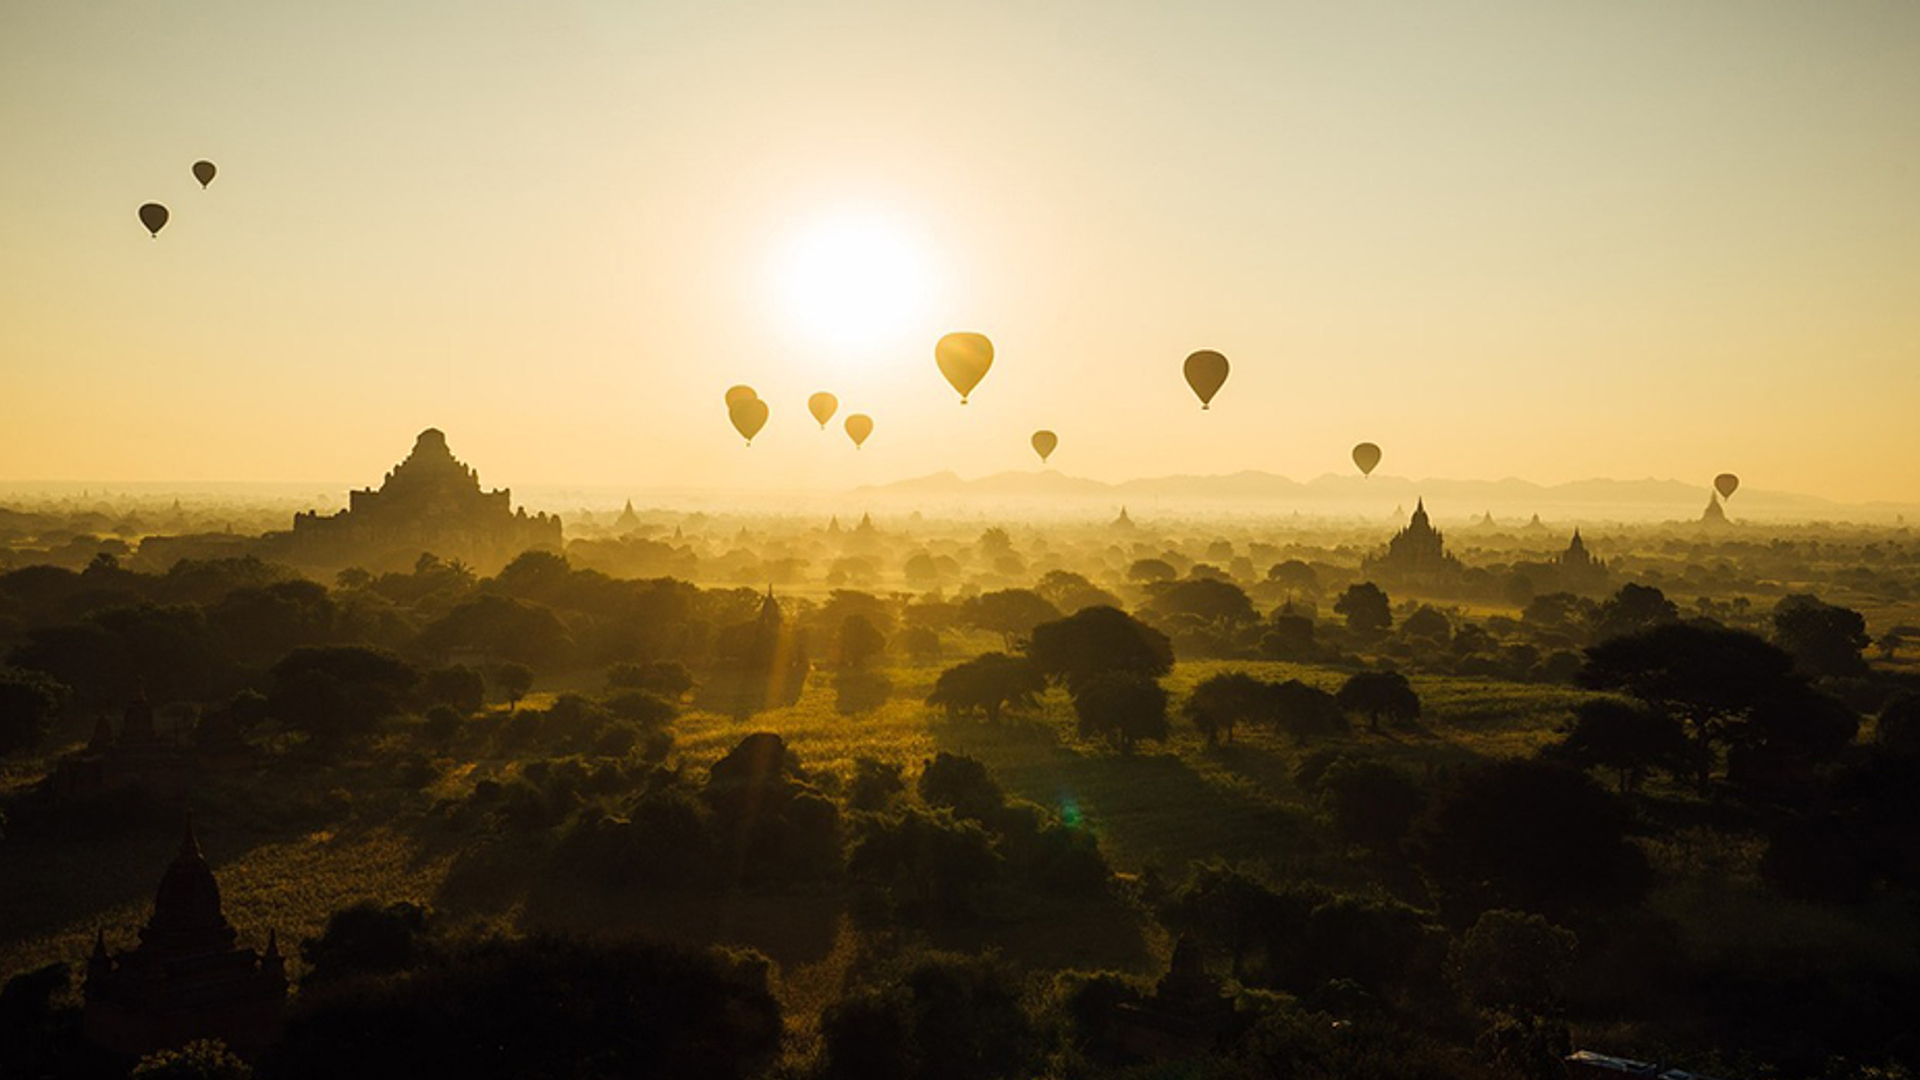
[(1186, 1015), (189, 978), (139, 754), (1123, 522), (1715, 514), (628, 520), (431, 502), (1417, 551)]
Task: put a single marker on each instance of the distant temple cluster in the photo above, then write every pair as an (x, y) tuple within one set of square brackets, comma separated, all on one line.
[(189, 978), (140, 754), (431, 502)]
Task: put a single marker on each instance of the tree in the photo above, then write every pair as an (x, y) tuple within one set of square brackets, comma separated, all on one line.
[(1823, 639), (961, 784), (1427, 622), (1070, 592), (201, 1059), (1123, 707), (1294, 576), (1202, 598), (1304, 711), (1627, 738), (1371, 803), (335, 693), (28, 703), (1365, 607), (1513, 960), (860, 642), (921, 643), (513, 680), (1222, 702), (1898, 729), (1099, 640), (459, 688), (1530, 835), (366, 939), (668, 678), (1150, 570), (631, 1009), (1379, 695), (937, 1016), (1289, 635), (1631, 610), (988, 684), (1725, 687), (1012, 613), (929, 861)]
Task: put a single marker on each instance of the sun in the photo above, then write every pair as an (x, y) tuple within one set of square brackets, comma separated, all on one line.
[(854, 281)]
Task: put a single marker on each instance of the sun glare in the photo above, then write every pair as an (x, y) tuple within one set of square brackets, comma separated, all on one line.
[(853, 281)]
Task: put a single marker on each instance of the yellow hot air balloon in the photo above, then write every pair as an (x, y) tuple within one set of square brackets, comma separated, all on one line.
[(859, 426), (154, 217), (749, 415), (1043, 444), (1726, 484), (1206, 372), (964, 360), (203, 171), (823, 405), (1366, 455), (738, 394)]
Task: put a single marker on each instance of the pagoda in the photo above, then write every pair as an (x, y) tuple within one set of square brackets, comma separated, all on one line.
[(188, 978)]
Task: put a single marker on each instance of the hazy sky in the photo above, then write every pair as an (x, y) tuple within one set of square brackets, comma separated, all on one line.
[(1552, 240)]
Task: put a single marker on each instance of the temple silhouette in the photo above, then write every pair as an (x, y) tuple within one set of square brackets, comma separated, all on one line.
[(431, 502), (1417, 553), (188, 978)]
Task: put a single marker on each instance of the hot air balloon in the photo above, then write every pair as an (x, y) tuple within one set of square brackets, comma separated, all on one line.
[(1043, 444), (1726, 484), (203, 171), (1206, 373), (154, 217), (738, 394), (749, 415), (964, 360), (859, 426), (822, 405), (1366, 455)]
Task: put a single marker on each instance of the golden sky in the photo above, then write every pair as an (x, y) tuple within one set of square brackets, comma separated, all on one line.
[(1551, 240)]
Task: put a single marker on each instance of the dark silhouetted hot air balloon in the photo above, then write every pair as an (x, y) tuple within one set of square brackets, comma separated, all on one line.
[(738, 394), (1726, 484), (859, 426), (823, 405), (964, 360), (1043, 444), (1206, 373), (1366, 455), (749, 415), (203, 171), (154, 217)]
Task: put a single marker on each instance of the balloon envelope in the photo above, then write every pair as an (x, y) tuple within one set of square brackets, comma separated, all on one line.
[(1043, 444), (964, 360), (749, 415), (1206, 372), (1726, 484), (203, 171), (859, 426), (154, 217), (738, 394), (1366, 455), (822, 405)]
